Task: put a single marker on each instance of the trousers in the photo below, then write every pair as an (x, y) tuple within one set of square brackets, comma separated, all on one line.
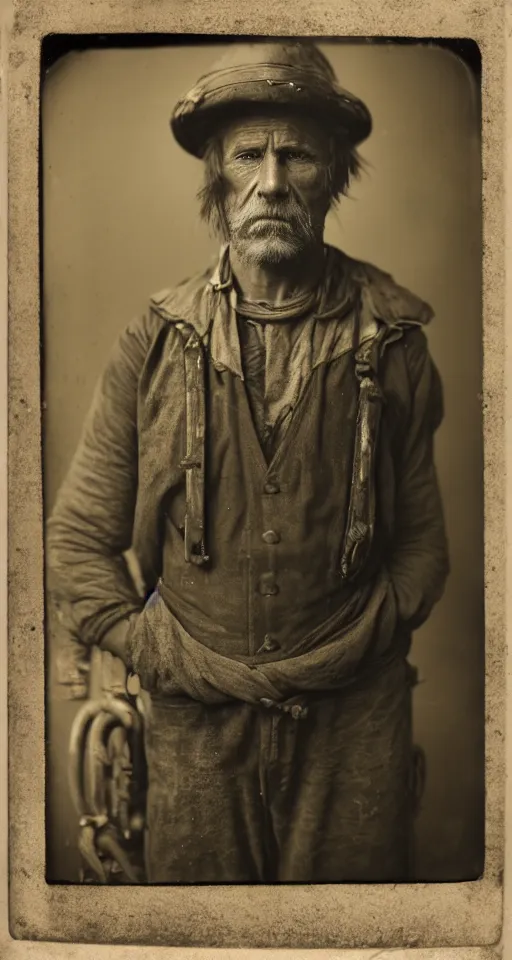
[(239, 793)]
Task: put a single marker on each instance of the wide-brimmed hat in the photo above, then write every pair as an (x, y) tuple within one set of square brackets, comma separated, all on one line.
[(289, 76)]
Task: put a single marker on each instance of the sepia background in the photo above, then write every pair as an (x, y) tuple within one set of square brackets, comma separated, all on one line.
[(120, 222)]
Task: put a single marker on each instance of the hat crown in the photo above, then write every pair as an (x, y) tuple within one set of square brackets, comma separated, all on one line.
[(302, 55)]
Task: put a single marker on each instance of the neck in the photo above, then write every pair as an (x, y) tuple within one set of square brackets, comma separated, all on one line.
[(277, 282)]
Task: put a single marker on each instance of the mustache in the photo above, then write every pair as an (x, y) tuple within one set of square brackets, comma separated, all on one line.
[(290, 211)]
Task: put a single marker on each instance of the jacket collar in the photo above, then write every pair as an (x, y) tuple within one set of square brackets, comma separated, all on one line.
[(207, 302), (192, 301)]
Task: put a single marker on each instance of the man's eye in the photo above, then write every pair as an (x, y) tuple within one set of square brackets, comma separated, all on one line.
[(298, 155), (249, 155)]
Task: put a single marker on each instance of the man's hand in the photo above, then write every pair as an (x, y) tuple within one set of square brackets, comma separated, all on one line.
[(116, 640)]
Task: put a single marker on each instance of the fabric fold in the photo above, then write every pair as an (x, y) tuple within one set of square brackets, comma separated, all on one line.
[(170, 662)]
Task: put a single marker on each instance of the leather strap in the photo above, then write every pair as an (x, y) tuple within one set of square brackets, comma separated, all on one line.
[(360, 526), (194, 461)]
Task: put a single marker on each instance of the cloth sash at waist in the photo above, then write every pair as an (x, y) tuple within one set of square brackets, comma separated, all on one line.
[(169, 662)]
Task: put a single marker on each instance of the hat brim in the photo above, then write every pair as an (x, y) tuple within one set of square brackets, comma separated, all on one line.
[(208, 107)]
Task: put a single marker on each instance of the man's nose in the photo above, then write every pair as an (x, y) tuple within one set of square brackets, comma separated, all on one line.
[(273, 177)]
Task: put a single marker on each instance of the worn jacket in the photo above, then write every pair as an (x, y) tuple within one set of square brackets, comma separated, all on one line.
[(126, 485)]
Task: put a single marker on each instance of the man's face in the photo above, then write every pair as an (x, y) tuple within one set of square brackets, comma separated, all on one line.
[(277, 193)]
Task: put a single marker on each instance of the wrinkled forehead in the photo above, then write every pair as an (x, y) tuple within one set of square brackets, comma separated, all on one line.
[(284, 129)]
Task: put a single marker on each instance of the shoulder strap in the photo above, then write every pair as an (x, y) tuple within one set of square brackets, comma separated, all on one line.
[(395, 309), (194, 461), (360, 525)]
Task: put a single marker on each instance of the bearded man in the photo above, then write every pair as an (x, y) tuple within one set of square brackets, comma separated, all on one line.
[(263, 440)]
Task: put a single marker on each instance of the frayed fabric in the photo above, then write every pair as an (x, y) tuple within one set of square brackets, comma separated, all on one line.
[(169, 661)]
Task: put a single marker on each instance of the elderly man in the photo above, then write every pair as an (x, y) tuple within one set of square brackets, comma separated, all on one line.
[(263, 439)]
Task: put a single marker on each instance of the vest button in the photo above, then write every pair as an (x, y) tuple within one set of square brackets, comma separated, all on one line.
[(271, 488), (270, 536), (267, 585)]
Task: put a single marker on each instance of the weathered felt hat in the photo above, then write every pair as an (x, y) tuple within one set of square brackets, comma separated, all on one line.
[(289, 76)]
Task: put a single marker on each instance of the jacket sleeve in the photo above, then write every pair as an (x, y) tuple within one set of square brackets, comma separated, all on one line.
[(91, 525), (419, 563)]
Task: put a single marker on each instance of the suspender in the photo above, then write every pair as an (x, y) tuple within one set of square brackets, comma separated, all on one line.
[(360, 526), (194, 461)]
